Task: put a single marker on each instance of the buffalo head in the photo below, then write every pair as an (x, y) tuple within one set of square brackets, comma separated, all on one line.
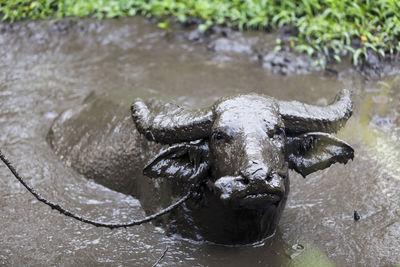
[(242, 146)]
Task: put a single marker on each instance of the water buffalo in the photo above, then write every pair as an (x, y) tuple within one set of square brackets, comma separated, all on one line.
[(238, 152)]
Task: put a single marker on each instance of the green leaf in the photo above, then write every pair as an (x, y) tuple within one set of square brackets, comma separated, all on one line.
[(163, 25), (337, 58), (356, 56)]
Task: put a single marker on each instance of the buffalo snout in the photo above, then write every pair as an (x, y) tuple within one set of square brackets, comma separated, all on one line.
[(257, 185)]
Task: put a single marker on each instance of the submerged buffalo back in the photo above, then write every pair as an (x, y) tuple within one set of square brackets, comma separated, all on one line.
[(100, 141)]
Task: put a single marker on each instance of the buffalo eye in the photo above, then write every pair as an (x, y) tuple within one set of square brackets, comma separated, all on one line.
[(279, 133), (218, 136), (221, 137)]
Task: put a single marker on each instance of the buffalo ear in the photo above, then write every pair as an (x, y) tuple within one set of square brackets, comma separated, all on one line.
[(187, 161), (311, 152)]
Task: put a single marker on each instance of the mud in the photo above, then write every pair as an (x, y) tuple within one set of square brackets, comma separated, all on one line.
[(45, 71)]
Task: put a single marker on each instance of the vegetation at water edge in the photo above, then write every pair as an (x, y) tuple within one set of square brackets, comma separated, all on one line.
[(329, 29)]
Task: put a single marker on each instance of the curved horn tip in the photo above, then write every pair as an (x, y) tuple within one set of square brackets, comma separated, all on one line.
[(140, 115), (137, 104), (344, 94), (139, 108)]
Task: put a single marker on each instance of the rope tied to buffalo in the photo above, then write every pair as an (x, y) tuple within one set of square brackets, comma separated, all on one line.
[(68, 213)]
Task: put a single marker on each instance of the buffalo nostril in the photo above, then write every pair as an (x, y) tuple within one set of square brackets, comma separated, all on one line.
[(244, 179), (270, 176), (276, 184)]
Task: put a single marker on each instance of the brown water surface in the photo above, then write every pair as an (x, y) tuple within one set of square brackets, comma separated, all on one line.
[(47, 67)]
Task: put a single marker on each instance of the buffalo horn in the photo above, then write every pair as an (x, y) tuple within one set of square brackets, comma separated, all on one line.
[(169, 123), (301, 118)]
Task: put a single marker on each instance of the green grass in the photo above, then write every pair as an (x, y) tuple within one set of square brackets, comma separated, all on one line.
[(329, 29)]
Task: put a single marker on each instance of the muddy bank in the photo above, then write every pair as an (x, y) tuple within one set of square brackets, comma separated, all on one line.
[(45, 71), (225, 43)]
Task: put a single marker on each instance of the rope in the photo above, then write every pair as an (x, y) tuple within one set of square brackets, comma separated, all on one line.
[(82, 219), (162, 256)]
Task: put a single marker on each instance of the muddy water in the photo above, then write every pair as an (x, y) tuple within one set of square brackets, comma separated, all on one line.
[(46, 68)]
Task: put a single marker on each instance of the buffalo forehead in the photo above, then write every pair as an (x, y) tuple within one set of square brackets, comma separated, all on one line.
[(248, 111)]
